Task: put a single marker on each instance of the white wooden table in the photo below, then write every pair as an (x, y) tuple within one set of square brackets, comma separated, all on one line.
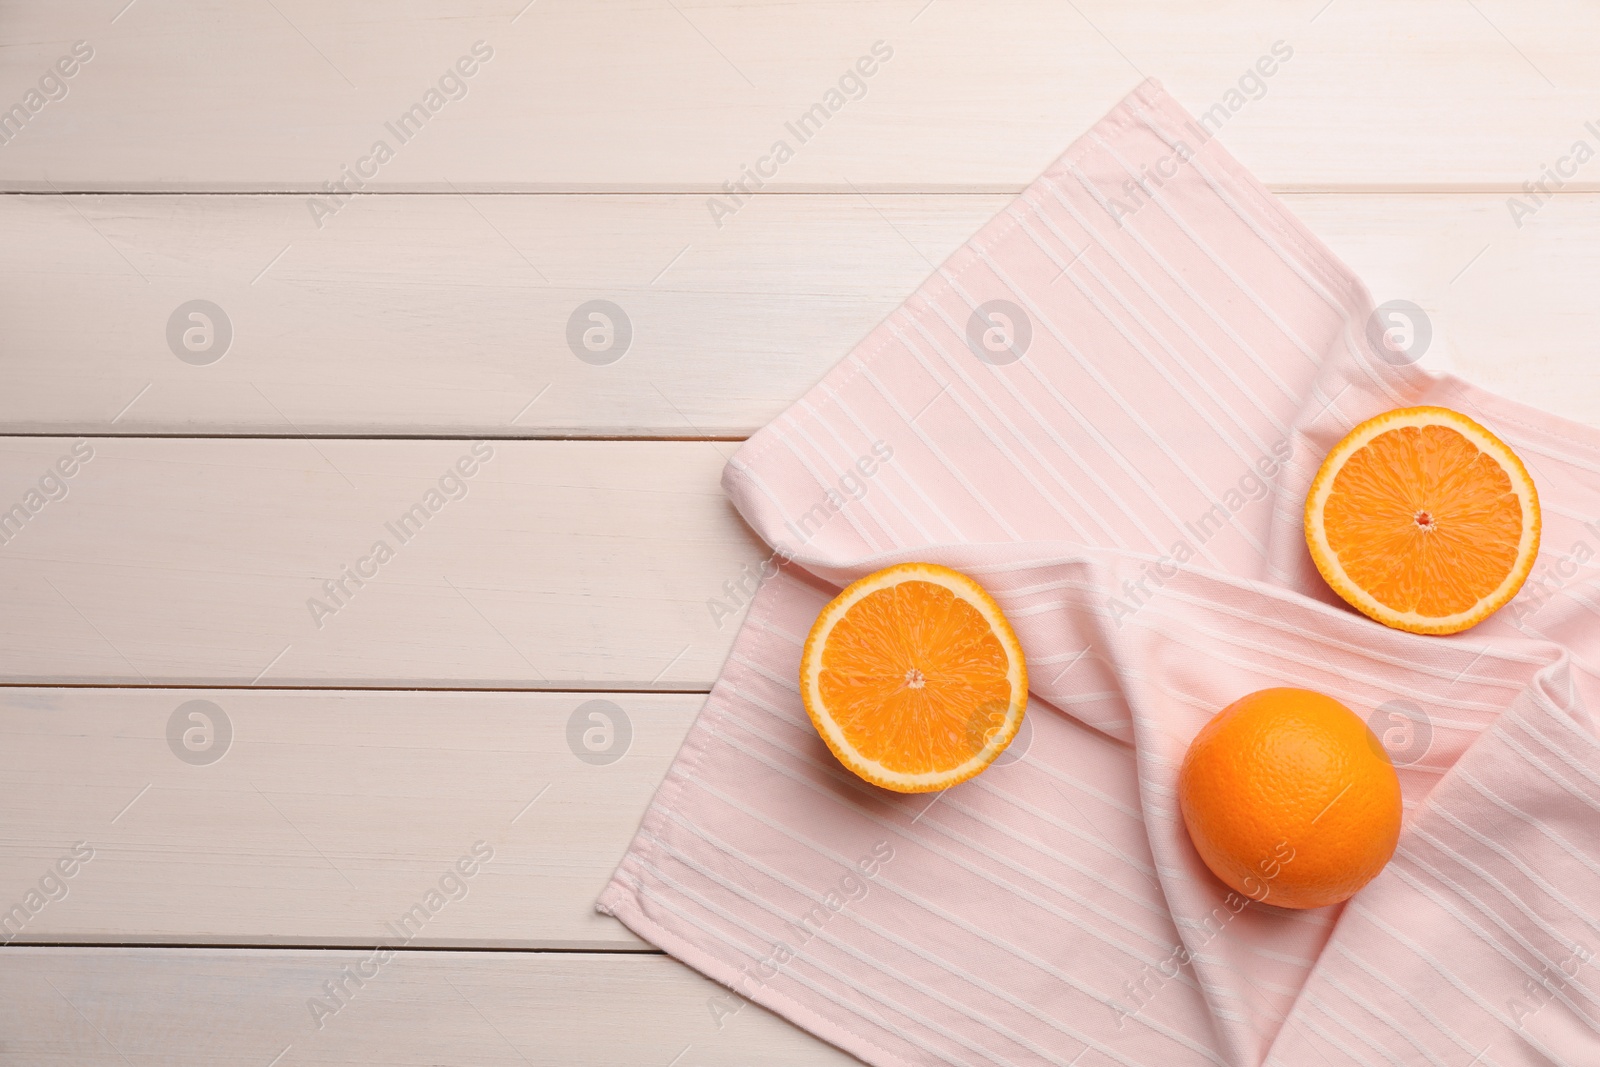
[(352, 743)]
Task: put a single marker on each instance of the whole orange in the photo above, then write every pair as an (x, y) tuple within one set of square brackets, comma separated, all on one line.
[(1290, 799)]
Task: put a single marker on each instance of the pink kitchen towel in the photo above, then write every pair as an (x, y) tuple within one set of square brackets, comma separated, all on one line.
[(1107, 407)]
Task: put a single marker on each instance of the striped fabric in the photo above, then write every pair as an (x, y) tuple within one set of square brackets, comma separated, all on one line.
[(1119, 451)]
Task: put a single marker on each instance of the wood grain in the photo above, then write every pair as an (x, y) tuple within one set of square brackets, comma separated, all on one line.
[(446, 314), (177, 1007), (638, 95), (318, 818), (565, 565), (424, 315)]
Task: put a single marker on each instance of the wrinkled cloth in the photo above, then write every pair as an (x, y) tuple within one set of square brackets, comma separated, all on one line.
[(1119, 450)]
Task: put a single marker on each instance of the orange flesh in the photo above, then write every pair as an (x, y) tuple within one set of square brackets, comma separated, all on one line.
[(1424, 521), (908, 671)]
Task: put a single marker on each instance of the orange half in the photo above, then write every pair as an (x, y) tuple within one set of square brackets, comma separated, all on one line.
[(1423, 520), (913, 678)]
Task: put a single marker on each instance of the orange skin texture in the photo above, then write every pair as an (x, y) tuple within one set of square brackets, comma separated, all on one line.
[(1290, 799)]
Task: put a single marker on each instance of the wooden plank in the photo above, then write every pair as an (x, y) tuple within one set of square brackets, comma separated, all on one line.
[(555, 565), (1509, 307), (444, 315), (283, 817), (160, 1007), (418, 314), (638, 95)]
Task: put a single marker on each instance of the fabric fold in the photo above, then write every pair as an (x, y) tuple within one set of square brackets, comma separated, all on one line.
[(1107, 407)]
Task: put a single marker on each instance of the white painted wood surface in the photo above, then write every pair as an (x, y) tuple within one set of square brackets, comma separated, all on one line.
[(185, 551), (448, 314), (565, 565), (315, 818), (427, 315), (640, 95), (178, 1007)]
